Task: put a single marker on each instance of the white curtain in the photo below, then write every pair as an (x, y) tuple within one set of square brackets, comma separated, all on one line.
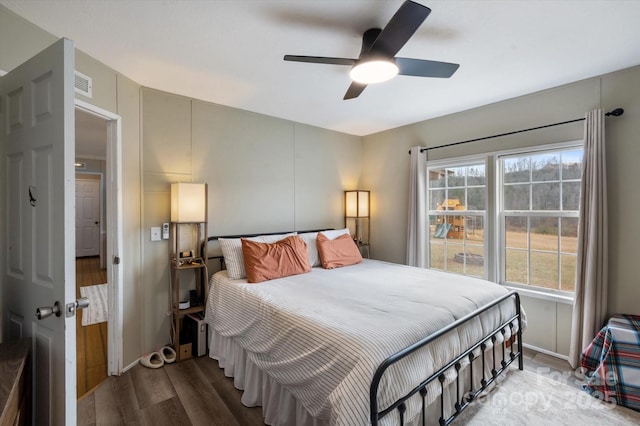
[(590, 305), (417, 237)]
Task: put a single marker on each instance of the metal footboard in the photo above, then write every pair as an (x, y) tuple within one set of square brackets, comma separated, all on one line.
[(464, 394)]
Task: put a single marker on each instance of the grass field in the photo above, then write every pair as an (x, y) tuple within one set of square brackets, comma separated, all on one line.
[(550, 263)]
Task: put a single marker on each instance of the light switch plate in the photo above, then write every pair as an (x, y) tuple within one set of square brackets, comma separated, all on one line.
[(155, 233)]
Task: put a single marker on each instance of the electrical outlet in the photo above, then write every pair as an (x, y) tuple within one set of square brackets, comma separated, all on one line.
[(155, 233), (165, 231)]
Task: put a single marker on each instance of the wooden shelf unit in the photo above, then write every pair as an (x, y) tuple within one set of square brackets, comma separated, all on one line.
[(196, 265)]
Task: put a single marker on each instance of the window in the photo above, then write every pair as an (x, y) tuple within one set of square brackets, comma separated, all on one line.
[(539, 195), (457, 215), (508, 217)]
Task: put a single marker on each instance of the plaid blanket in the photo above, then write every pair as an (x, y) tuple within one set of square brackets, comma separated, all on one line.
[(611, 362)]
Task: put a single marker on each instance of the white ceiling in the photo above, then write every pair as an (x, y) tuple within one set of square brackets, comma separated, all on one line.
[(230, 52)]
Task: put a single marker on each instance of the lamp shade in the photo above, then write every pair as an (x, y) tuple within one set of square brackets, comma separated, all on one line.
[(356, 203), (369, 72), (188, 202)]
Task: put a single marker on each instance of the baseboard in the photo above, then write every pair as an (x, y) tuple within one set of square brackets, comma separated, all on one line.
[(130, 366), (546, 352)]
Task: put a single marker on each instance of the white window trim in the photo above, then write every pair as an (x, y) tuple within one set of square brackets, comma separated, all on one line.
[(525, 289), (493, 239), (560, 297), (579, 143), (464, 161)]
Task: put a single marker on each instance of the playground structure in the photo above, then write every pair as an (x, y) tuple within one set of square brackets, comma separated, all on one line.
[(450, 226)]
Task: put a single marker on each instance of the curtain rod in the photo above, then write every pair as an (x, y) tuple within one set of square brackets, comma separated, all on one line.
[(616, 113)]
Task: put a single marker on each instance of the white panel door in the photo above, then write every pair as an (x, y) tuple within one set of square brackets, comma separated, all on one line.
[(87, 217), (37, 136)]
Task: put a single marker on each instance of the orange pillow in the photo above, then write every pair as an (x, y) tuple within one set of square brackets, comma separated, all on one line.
[(341, 251), (264, 261)]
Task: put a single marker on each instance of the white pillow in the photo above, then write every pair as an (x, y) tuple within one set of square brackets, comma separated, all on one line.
[(332, 234), (232, 252), (311, 238)]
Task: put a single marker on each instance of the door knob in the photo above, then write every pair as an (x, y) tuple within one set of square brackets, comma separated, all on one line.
[(72, 307), (46, 311), (82, 303)]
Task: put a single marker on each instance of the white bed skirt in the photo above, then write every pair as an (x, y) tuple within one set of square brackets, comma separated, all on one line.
[(279, 406)]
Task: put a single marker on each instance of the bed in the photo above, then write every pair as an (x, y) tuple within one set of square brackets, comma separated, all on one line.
[(370, 343)]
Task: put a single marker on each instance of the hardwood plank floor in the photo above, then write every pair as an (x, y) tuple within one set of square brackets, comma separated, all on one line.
[(91, 340), (553, 368), (117, 402), (157, 387), (192, 392), (198, 396), (196, 392)]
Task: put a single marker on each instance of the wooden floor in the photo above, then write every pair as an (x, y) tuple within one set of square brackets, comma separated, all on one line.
[(196, 392), (192, 392), (91, 340), (552, 367)]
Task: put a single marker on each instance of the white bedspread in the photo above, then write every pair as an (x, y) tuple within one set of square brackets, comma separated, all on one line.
[(323, 334)]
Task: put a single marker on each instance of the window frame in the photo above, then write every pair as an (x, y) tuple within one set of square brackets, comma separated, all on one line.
[(500, 237), (456, 162), (494, 217)]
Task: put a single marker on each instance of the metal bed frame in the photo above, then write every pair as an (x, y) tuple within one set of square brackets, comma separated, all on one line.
[(464, 396), (462, 399)]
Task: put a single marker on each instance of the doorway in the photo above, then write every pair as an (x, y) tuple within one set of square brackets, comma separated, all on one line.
[(89, 205), (91, 272), (99, 336)]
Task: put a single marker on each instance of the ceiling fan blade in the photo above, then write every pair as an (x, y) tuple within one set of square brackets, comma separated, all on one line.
[(354, 90), (320, 60), (425, 68), (400, 28)]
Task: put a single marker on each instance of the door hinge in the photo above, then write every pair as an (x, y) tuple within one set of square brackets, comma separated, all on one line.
[(116, 260)]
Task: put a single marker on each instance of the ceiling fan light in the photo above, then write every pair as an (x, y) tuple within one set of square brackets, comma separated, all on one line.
[(373, 71)]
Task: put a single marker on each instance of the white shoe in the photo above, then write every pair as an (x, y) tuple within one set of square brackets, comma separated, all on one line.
[(167, 354), (152, 360)]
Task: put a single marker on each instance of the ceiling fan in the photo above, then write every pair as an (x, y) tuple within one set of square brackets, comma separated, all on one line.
[(377, 61)]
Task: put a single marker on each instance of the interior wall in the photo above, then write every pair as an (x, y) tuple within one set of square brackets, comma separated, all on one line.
[(116, 93), (166, 158), (386, 159), (248, 161), (128, 107), (264, 174), (326, 164), (20, 40), (235, 157), (386, 174), (269, 175), (623, 151)]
